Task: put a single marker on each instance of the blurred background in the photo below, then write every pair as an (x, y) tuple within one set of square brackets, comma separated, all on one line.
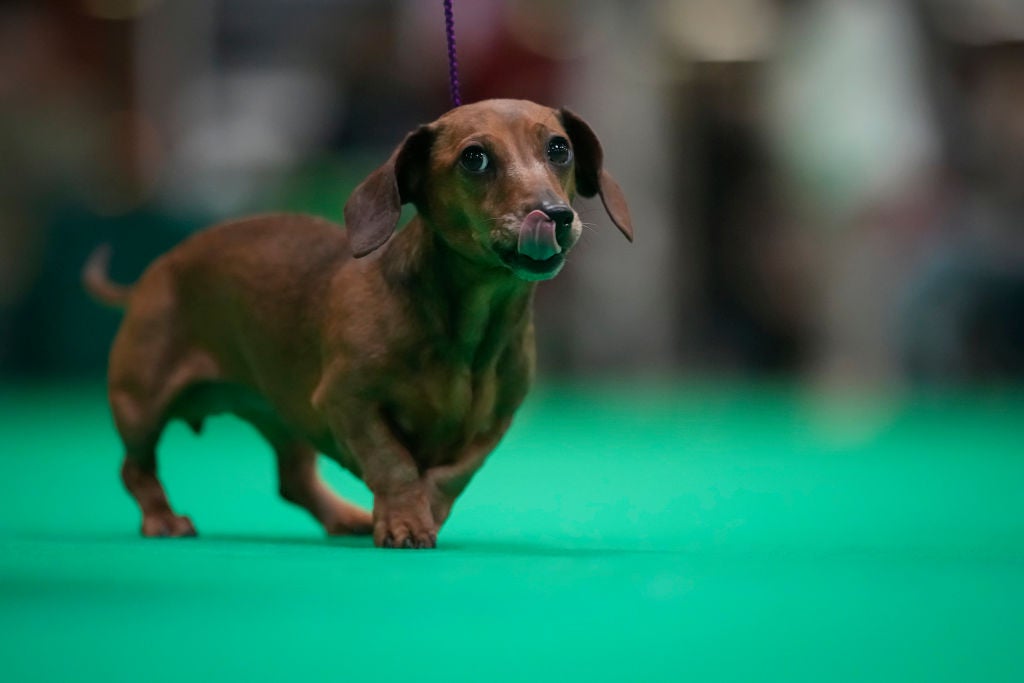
[(824, 190)]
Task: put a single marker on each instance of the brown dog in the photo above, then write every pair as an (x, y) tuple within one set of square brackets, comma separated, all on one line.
[(404, 358)]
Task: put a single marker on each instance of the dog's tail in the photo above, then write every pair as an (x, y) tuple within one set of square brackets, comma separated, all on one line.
[(96, 282)]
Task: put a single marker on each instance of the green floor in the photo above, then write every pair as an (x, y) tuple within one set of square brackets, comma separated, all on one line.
[(690, 534)]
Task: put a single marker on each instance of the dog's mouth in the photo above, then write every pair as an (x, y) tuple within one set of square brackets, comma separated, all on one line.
[(538, 254), (530, 269)]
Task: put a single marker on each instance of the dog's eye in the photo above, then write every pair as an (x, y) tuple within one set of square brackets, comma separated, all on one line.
[(559, 151), (474, 159)]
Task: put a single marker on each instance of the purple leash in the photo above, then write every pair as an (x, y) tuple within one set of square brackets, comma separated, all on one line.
[(453, 64)]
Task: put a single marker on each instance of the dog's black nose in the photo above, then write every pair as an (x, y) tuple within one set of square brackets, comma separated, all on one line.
[(561, 214)]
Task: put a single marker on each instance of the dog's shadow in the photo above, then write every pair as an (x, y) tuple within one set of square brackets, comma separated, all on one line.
[(469, 547), (352, 542)]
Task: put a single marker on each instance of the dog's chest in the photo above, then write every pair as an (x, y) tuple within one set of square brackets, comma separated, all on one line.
[(439, 408)]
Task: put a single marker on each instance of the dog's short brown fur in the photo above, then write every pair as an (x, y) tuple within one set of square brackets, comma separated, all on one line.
[(402, 357)]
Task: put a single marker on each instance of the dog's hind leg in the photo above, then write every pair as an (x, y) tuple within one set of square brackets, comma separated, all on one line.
[(140, 433), (142, 398), (158, 519), (150, 366), (299, 482)]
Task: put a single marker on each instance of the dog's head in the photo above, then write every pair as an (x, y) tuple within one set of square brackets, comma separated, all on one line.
[(496, 180)]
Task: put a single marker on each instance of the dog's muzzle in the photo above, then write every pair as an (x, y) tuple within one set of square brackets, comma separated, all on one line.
[(544, 238), (537, 237)]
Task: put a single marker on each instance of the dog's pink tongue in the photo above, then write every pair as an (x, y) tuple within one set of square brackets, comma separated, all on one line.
[(537, 237)]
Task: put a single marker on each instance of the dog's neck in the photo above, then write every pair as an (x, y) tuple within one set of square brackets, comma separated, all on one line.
[(476, 310)]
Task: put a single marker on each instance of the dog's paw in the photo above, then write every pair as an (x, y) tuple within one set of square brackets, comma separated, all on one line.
[(404, 523), (167, 525), (405, 539)]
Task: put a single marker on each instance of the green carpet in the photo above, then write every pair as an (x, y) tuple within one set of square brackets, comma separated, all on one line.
[(661, 534)]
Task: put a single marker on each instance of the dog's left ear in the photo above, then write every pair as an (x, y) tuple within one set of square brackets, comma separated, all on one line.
[(374, 207), (591, 178)]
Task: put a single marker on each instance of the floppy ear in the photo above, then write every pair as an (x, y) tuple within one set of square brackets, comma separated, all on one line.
[(591, 178), (373, 208)]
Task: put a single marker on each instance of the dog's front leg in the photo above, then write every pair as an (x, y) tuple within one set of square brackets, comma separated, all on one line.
[(446, 482), (401, 500)]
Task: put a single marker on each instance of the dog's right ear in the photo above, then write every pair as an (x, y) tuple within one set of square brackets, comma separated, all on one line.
[(591, 178), (374, 207)]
